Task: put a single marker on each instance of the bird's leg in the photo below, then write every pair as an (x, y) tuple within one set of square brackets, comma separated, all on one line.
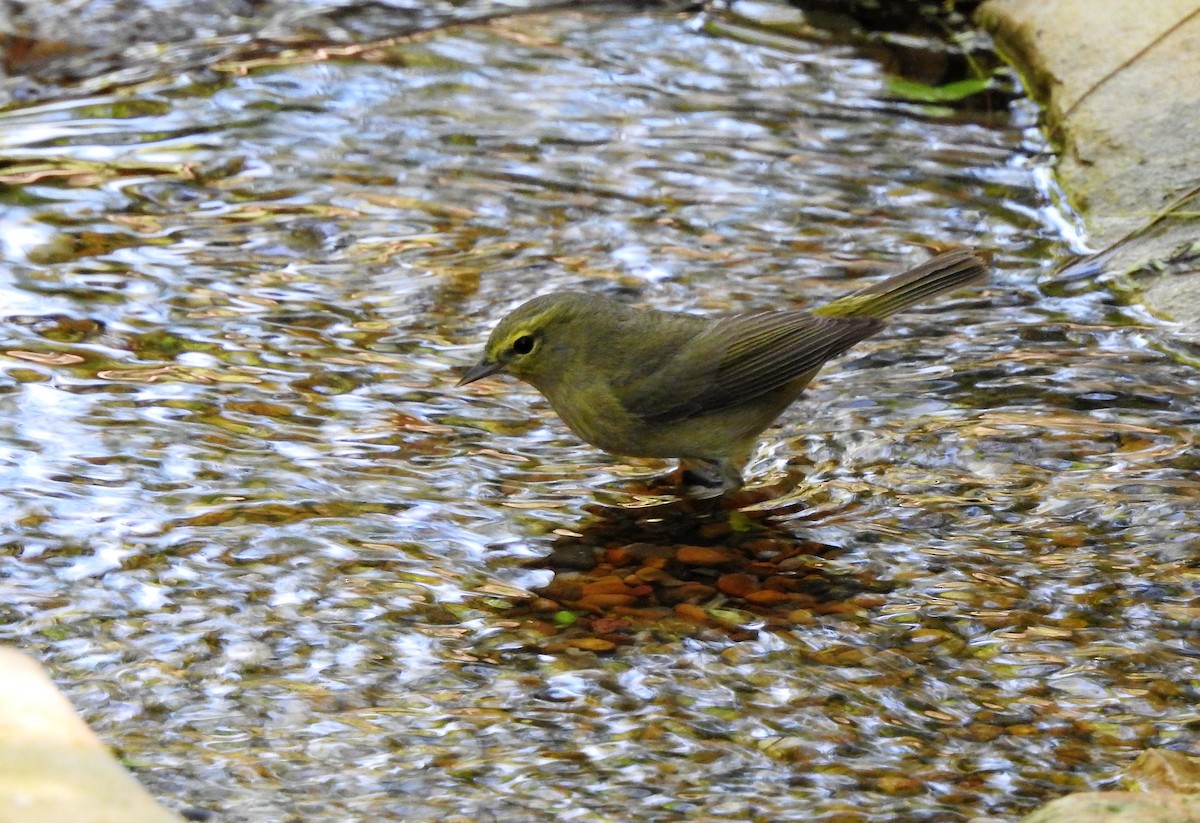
[(709, 478)]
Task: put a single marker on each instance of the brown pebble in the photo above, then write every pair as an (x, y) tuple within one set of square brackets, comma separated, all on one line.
[(690, 592), (563, 588), (983, 732), (606, 585), (543, 627), (603, 602), (851, 657), (759, 569), (618, 557), (691, 612), (643, 614), (715, 529), (608, 624), (1165, 688), (647, 574), (591, 644), (839, 607), (801, 617), (645, 551), (900, 784), (796, 563), (703, 556), (651, 732), (737, 585), (768, 597)]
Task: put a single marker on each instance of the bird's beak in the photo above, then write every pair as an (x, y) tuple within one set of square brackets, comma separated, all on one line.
[(481, 369)]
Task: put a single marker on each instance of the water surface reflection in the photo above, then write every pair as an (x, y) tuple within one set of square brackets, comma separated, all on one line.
[(290, 572)]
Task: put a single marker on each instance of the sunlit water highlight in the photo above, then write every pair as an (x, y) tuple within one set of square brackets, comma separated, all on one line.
[(284, 567)]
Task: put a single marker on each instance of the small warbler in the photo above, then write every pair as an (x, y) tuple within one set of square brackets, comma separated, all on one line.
[(647, 383)]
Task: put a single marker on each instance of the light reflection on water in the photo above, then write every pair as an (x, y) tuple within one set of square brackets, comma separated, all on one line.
[(285, 567)]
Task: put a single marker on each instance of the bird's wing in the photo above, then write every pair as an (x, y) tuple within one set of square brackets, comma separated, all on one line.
[(740, 358)]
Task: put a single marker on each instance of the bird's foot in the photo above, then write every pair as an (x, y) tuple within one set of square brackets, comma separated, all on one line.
[(706, 478)]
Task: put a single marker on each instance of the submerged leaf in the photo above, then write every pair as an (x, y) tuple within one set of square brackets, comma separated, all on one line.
[(949, 93)]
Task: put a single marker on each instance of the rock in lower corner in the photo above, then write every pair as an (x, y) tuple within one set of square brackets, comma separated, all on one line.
[(53, 768)]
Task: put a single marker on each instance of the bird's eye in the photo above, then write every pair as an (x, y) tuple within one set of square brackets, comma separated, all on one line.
[(523, 344)]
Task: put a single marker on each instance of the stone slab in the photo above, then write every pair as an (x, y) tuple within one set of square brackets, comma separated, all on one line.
[(53, 768), (1124, 108), (1120, 807), (1120, 84)]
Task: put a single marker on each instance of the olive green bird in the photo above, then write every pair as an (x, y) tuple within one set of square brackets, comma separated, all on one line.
[(641, 382)]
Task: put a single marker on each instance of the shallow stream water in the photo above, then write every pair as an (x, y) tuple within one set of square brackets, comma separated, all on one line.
[(289, 572)]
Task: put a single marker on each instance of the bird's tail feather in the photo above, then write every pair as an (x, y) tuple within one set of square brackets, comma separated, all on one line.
[(943, 273)]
